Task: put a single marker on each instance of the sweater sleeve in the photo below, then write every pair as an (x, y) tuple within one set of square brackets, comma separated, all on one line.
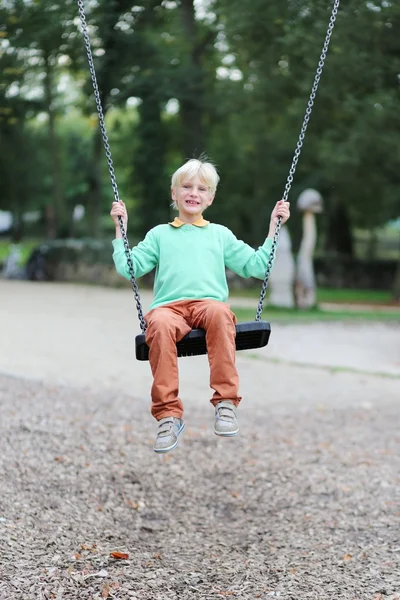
[(144, 256), (243, 259)]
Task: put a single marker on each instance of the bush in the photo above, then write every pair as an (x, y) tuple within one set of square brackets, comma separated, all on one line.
[(83, 260), (356, 273), (88, 260)]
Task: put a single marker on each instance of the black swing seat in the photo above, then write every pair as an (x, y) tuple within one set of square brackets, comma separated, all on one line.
[(254, 334)]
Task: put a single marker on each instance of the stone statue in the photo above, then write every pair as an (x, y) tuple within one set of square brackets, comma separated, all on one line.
[(310, 203), (282, 275)]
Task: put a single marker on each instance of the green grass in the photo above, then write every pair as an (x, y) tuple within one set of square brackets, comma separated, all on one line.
[(354, 296), (331, 295), (26, 249), (315, 315)]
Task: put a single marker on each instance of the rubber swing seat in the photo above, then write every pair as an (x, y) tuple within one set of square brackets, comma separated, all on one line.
[(253, 334)]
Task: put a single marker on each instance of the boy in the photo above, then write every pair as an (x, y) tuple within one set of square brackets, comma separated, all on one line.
[(190, 291)]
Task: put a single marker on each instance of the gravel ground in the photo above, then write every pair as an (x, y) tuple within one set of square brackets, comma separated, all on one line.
[(304, 503)]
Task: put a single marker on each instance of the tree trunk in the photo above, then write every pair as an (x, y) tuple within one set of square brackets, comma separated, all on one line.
[(51, 221), (192, 100), (372, 244), (339, 237), (11, 183), (95, 183), (396, 286), (153, 205), (55, 214)]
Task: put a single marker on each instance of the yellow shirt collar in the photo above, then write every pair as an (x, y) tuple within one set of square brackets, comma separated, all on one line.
[(199, 223)]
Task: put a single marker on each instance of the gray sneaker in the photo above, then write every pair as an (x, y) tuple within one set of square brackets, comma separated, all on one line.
[(168, 432), (226, 423)]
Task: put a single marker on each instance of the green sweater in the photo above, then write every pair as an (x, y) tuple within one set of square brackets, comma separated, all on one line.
[(190, 261)]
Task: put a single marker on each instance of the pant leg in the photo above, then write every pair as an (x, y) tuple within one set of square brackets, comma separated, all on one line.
[(219, 322), (165, 326)]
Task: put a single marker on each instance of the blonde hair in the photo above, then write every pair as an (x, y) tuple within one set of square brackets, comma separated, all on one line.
[(201, 167)]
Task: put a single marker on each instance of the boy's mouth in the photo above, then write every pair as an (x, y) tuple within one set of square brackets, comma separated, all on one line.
[(192, 202)]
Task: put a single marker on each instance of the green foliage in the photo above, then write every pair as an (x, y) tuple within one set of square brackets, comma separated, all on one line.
[(350, 152), (241, 72), (25, 248)]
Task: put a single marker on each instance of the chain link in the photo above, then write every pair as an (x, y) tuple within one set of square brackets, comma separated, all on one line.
[(297, 152), (110, 162)]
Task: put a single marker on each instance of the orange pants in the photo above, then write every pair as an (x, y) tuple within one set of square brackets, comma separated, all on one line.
[(167, 325)]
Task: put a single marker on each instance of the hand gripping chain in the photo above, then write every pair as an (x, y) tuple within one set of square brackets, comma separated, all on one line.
[(110, 162), (297, 152)]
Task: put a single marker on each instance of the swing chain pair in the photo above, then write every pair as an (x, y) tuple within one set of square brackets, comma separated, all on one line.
[(110, 162), (297, 152), (289, 180)]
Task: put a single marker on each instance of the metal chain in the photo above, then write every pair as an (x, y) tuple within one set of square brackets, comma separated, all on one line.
[(297, 152), (110, 162)]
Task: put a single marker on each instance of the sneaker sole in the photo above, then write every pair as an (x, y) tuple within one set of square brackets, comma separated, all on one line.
[(226, 433), (174, 445)]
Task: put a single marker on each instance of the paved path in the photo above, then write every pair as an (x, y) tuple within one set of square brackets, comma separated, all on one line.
[(84, 336)]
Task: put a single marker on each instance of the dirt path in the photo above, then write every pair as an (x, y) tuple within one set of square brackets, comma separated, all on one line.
[(303, 504), (84, 336)]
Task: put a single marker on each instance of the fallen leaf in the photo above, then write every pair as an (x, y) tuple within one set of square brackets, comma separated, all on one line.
[(92, 548), (119, 555), (132, 503), (347, 557), (105, 592)]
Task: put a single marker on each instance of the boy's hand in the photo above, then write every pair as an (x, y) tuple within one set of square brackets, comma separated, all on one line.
[(281, 209), (119, 210)]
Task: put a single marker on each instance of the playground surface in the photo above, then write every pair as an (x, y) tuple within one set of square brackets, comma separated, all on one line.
[(304, 503)]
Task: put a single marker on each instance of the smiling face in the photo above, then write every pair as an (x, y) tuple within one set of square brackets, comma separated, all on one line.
[(192, 197)]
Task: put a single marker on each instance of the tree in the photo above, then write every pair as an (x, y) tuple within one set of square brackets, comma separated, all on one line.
[(34, 32), (349, 144), (21, 184)]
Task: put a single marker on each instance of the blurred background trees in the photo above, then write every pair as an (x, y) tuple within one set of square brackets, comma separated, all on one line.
[(180, 77)]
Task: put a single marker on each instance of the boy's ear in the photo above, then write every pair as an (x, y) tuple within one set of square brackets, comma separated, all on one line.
[(211, 200), (172, 193)]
